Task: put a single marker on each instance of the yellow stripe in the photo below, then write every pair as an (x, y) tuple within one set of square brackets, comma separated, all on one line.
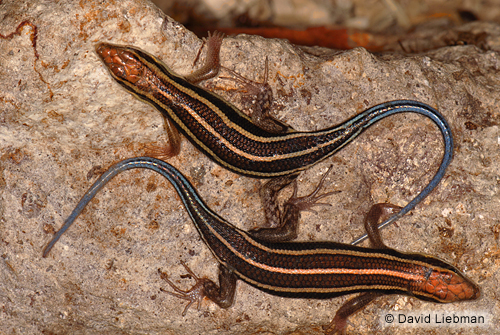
[(318, 271), (223, 116), (340, 290), (166, 75)]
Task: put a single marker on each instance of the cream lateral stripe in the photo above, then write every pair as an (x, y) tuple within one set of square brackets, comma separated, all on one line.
[(319, 271), (154, 68), (336, 251), (158, 72), (300, 290), (306, 290), (241, 153), (231, 124), (165, 76), (201, 144), (140, 95)]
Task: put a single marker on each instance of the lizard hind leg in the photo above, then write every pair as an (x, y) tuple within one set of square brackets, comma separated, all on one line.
[(222, 294), (285, 223), (194, 294)]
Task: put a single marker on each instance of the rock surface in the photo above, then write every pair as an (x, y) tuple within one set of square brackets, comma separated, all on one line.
[(63, 121)]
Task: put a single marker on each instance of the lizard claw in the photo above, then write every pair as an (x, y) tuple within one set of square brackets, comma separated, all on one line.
[(194, 294)]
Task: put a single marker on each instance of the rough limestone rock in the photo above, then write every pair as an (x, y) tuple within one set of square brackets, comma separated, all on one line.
[(63, 121)]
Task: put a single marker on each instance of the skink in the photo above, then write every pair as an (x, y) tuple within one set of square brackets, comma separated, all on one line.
[(230, 137), (297, 269)]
